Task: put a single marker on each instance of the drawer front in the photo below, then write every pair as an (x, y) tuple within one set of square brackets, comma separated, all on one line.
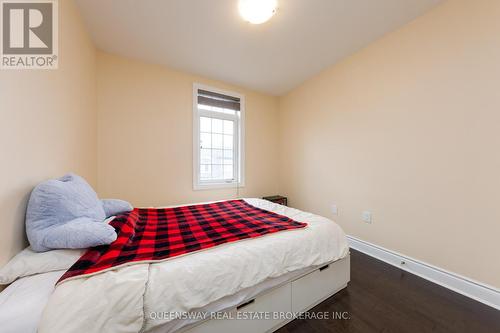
[(316, 286), (278, 300)]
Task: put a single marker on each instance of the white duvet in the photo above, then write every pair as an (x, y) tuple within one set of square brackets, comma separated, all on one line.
[(129, 299)]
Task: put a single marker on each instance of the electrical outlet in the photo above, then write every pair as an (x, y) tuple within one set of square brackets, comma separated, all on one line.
[(366, 216), (334, 209)]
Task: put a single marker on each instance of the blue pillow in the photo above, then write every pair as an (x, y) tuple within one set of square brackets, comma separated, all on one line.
[(66, 213), (114, 207)]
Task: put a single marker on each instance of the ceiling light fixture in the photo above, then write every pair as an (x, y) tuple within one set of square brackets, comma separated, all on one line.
[(257, 11)]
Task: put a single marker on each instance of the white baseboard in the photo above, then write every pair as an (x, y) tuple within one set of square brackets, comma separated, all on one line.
[(478, 291)]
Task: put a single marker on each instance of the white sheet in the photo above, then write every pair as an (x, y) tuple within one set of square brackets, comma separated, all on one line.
[(123, 300), (22, 302)]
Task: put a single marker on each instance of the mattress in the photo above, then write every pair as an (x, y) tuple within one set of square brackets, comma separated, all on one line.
[(128, 299)]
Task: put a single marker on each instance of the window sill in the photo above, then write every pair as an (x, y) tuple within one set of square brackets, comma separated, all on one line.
[(215, 186)]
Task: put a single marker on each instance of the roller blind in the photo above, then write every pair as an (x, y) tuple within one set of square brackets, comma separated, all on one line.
[(218, 100)]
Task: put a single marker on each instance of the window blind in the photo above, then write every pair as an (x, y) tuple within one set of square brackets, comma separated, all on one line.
[(218, 100)]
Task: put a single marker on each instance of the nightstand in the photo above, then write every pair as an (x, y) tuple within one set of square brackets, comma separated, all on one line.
[(277, 199)]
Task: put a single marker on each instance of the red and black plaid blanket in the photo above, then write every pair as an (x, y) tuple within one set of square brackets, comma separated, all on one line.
[(159, 234)]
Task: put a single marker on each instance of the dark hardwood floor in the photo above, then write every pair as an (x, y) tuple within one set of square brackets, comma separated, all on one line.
[(383, 298)]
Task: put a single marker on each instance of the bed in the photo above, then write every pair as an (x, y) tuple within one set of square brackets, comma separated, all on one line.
[(277, 275)]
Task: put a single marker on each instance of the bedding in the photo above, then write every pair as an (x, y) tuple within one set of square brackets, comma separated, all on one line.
[(29, 262), (22, 302), (124, 299), (154, 235)]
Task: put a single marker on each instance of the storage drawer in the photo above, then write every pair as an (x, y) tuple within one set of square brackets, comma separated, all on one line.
[(278, 300), (314, 287)]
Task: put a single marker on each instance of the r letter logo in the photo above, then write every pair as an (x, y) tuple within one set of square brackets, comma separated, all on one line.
[(29, 34)]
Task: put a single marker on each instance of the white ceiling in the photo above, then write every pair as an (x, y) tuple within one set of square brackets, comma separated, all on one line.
[(208, 37)]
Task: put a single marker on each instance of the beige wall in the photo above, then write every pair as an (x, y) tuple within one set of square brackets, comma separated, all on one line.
[(48, 126), (145, 135), (408, 128)]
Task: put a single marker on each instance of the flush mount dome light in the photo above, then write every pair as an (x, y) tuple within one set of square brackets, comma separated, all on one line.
[(257, 11)]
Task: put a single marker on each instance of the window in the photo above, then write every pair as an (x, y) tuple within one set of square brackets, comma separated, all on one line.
[(218, 138)]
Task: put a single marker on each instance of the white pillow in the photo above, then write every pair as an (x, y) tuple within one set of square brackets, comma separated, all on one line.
[(22, 303), (29, 262)]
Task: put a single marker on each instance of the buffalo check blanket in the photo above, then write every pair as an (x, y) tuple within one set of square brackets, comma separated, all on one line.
[(149, 235)]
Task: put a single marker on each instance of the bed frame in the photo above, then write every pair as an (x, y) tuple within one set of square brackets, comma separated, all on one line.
[(297, 295)]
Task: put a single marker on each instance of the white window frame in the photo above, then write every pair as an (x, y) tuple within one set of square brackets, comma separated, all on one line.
[(239, 146)]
